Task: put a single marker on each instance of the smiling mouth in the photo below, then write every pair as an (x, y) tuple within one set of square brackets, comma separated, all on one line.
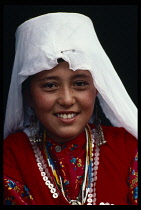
[(66, 116)]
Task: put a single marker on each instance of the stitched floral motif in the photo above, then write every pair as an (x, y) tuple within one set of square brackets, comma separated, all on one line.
[(72, 155), (133, 181), (16, 193)]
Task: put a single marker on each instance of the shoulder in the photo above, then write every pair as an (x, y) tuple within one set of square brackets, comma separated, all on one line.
[(15, 136), (16, 140), (121, 140), (119, 134), (17, 153)]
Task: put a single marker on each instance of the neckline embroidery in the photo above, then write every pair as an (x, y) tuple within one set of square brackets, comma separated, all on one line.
[(88, 196)]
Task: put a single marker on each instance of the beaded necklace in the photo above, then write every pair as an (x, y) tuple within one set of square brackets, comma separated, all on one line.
[(88, 191)]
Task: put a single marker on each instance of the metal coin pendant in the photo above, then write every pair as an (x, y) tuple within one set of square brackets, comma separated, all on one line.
[(75, 202)]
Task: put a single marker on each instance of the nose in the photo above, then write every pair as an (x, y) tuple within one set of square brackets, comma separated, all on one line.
[(66, 97)]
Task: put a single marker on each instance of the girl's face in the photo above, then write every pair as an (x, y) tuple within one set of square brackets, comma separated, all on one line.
[(63, 100)]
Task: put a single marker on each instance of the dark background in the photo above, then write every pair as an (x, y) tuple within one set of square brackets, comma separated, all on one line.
[(115, 25)]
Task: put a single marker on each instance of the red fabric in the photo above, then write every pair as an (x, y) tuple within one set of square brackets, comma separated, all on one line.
[(70, 163), (133, 181), (115, 160), (15, 193)]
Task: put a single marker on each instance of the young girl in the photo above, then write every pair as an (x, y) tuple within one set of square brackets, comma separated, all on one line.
[(55, 150)]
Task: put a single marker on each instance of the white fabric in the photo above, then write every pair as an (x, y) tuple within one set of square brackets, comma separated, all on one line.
[(41, 41)]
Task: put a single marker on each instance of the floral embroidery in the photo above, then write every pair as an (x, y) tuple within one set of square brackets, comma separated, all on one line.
[(71, 155), (10, 201), (135, 193), (66, 182), (10, 184), (133, 181), (73, 160), (73, 147), (15, 193), (79, 164)]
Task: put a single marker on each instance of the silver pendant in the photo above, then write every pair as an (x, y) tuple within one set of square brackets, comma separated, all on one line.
[(75, 202)]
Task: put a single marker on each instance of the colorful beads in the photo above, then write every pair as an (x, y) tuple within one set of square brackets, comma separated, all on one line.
[(45, 178), (58, 149), (102, 203), (91, 197), (92, 191), (55, 195), (43, 169)]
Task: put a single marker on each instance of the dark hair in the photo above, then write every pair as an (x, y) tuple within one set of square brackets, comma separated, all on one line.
[(59, 60), (26, 85)]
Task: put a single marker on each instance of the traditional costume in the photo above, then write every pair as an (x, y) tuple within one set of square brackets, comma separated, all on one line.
[(98, 167)]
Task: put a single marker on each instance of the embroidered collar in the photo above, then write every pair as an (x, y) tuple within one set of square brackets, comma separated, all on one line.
[(75, 144)]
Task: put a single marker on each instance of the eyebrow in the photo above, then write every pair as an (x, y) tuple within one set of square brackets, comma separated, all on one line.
[(57, 77), (81, 75), (49, 78)]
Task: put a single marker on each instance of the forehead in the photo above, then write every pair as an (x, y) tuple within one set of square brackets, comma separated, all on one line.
[(62, 71)]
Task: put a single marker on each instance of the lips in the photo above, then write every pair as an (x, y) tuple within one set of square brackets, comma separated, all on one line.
[(66, 115)]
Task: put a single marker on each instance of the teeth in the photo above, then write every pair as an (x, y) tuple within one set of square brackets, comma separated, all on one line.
[(66, 116)]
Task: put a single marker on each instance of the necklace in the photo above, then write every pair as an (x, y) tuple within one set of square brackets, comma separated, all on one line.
[(88, 191)]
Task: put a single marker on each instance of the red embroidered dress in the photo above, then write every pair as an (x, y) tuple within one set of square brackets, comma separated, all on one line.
[(117, 171)]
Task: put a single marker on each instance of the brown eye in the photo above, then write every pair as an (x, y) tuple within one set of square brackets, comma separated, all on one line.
[(49, 86), (80, 83)]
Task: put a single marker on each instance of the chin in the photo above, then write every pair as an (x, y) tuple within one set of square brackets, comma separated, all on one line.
[(69, 134), (64, 133)]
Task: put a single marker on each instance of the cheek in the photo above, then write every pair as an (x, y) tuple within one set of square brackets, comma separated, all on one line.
[(42, 102), (88, 100)]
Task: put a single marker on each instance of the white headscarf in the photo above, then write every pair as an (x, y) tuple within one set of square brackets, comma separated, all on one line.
[(40, 41)]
